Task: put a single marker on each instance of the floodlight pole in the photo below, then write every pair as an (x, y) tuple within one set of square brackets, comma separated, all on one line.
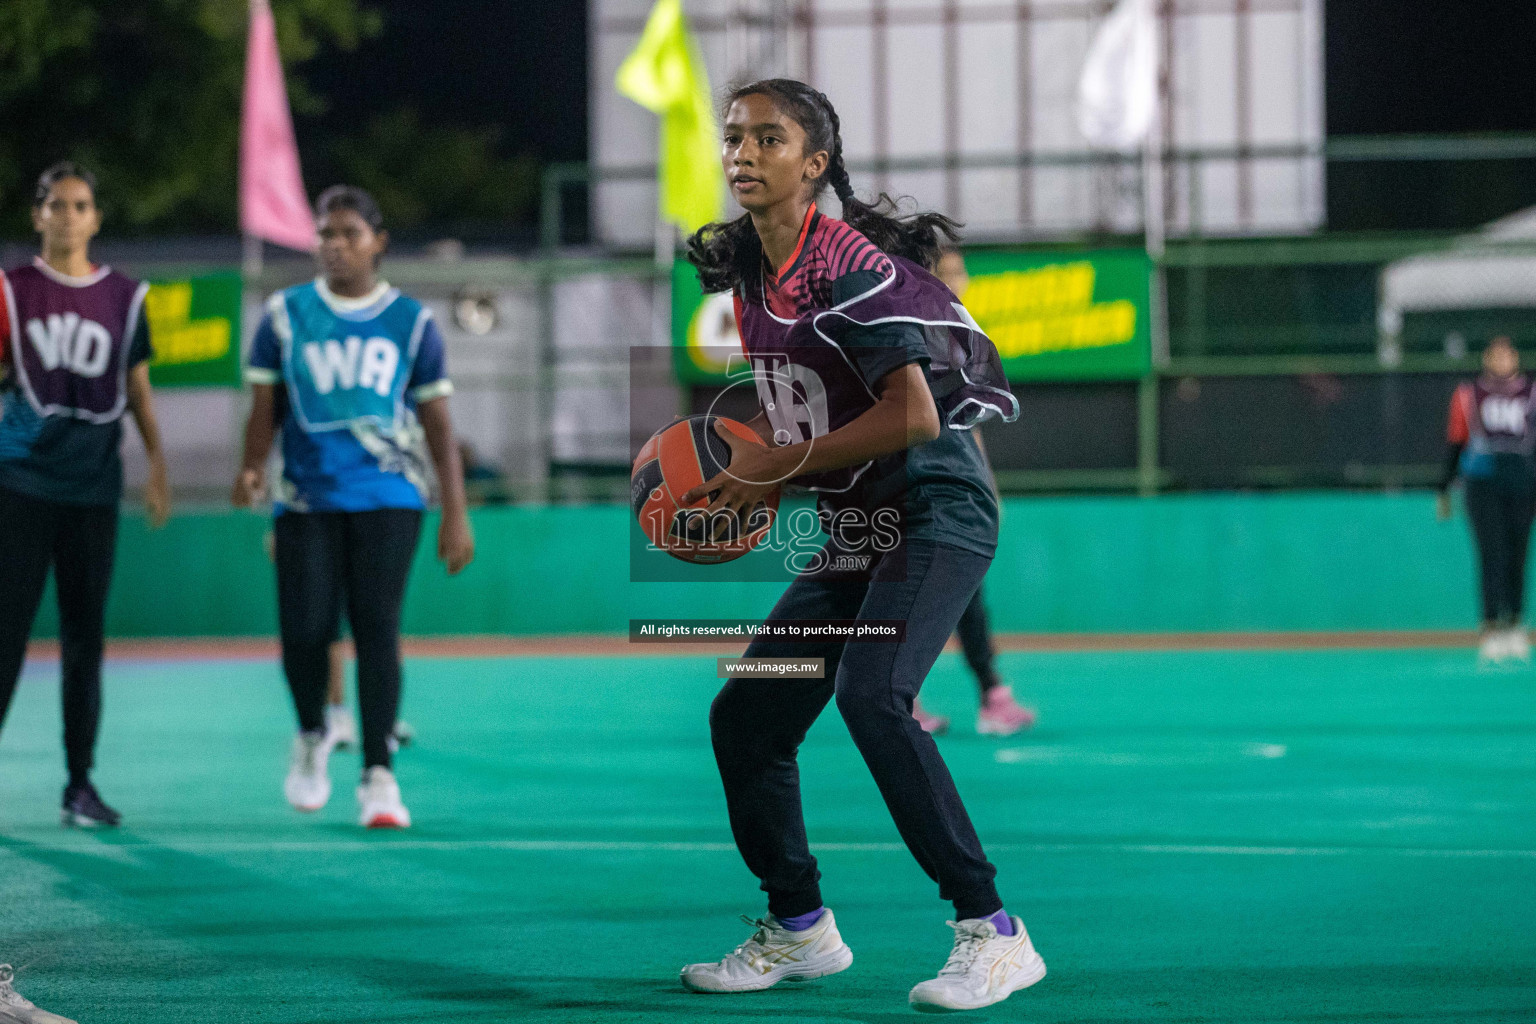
[(251, 267), (251, 260)]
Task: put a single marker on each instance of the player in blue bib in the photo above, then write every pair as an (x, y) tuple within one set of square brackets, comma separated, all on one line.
[(353, 374)]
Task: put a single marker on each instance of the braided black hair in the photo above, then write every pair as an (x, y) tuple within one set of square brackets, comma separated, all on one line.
[(727, 252)]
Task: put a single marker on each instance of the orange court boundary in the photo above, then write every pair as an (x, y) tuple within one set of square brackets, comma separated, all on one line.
[(609, 645)]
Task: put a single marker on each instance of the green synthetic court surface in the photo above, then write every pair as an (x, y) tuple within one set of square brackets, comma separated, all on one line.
[(1282, 836)]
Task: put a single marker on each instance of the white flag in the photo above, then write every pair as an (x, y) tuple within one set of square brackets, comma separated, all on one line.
[(1117, 95)]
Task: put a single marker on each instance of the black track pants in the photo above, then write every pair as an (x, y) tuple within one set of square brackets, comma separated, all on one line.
[(1501, 525), (79, 543), (360, 560), (757, 726), (976, 641)]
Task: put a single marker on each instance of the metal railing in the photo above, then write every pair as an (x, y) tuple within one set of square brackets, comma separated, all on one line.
[(1326, 272), (1269, 311)]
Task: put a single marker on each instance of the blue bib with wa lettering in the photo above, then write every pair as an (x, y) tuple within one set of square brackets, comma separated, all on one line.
[(351, 441), (343, 368)]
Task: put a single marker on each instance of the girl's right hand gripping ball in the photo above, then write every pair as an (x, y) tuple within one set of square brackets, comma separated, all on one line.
[(676, 459)]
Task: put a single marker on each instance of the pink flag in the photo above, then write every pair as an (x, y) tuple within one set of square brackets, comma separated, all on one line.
[(273, 205)]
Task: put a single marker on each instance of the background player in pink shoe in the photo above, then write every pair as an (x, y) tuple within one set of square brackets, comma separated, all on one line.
[(1000, 714)]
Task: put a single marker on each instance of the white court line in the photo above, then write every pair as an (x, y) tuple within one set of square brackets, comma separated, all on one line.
[(659, 846)]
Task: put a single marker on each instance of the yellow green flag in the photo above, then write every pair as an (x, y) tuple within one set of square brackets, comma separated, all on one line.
[(665, 75)]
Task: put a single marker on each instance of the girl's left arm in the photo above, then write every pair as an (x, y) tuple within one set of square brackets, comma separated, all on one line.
[(455, 539), (157, 493), (904, 415)]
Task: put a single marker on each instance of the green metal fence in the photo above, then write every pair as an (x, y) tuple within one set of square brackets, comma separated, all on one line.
[(1276, 369)]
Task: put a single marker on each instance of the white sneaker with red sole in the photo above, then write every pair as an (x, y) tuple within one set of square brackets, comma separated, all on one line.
[(378, 800), (1001, 715)]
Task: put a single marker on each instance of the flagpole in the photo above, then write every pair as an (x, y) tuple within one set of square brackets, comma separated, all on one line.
[(1152, 189), (1155, 228), (252, 260)]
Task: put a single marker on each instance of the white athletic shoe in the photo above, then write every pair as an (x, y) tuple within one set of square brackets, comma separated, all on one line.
[(773, 954), (402, 735), (378, 800), (1517, 643), (984, 968), (308, 786), (340, 726), (1494, 649), (15, 1008)]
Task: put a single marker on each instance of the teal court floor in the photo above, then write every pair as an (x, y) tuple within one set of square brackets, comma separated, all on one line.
[(1314, 836)]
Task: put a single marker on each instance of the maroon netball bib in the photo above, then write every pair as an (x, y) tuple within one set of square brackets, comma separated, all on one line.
[(1501, 415), (70, 338)]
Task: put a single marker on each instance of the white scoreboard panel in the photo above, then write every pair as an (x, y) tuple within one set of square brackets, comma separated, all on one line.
[(969, 107)]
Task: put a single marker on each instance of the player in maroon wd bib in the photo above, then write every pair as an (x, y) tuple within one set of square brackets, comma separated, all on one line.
[(868, 372), (74, 351)]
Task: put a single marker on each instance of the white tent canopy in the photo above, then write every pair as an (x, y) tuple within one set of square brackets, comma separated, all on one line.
[(1485, 270)]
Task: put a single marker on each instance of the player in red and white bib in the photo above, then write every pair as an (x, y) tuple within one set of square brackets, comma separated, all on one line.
[(74, 351)]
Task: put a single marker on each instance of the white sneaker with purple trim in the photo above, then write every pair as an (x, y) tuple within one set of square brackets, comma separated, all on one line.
[(16, 1008), (773, 954), (983, 968)]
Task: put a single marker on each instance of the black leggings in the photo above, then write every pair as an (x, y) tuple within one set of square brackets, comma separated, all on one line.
[(79, 543), (362, 559), (1501, 524), (976, 641), (757, 726)]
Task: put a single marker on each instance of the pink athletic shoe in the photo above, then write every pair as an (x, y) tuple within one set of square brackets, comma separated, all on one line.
[(1001, 715), (937, 725)]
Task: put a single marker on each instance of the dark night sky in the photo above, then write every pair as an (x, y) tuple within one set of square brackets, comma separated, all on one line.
[(521, 64), (1430, 66)]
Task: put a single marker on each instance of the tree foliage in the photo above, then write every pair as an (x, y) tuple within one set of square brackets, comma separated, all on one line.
[(436, 174), (147, 94)]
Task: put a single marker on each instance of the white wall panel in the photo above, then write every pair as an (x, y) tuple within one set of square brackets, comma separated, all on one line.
[(1275, 98)]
